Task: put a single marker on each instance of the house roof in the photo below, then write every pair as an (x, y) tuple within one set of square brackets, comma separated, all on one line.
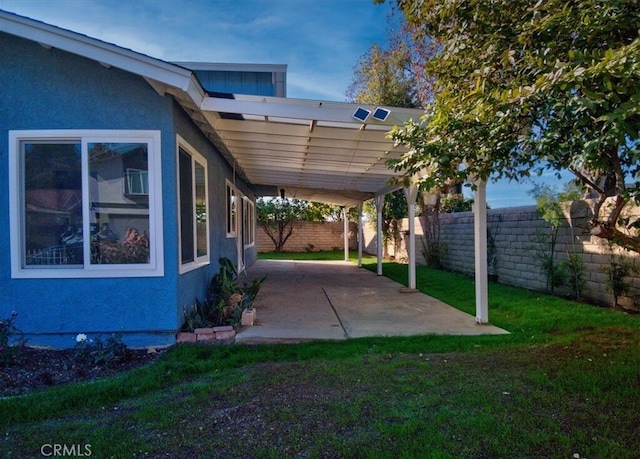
[(315, 150)]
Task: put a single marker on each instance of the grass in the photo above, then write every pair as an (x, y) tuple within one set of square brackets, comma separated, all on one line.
[(565, 381)]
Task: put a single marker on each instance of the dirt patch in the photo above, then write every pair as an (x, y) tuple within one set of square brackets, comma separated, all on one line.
[(30, 369)]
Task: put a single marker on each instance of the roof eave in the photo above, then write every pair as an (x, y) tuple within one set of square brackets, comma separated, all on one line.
[(106, 53)]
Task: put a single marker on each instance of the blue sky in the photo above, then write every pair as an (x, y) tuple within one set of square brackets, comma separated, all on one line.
[(321, 41)]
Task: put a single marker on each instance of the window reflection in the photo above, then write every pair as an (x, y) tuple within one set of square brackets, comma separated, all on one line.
[(119, 203), (53, 203), (201, 210)]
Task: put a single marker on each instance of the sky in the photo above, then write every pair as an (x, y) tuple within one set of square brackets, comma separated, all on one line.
[(320, 41)]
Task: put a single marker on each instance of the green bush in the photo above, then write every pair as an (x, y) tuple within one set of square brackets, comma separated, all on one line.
[(99, 352), (226, 299)]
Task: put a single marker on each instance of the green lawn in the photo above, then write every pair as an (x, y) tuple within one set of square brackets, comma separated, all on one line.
[(565, 382)]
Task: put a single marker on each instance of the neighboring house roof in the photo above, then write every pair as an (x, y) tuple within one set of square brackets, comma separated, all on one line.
[(315, 150)]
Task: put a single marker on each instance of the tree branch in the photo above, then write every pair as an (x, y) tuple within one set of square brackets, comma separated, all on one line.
[(586, 180)]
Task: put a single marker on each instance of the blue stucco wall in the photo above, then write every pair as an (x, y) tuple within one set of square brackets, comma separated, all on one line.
[(51, 89), (193, 284)]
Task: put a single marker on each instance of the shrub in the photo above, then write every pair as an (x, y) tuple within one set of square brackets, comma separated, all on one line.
[(618, 273), (7, 331), (225, 301), (98, 352)]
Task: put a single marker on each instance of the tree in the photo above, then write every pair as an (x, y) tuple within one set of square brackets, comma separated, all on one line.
[(550, 207), (383, 78), (522, 87), (394, 209), (393, 76), (277, 215), (322, 212)]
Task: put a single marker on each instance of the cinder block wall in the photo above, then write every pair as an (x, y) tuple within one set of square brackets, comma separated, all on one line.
[(312, 236), (514, 231)]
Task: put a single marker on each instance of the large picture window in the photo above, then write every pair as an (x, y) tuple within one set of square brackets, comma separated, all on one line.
[(85, 203), (193, 204)]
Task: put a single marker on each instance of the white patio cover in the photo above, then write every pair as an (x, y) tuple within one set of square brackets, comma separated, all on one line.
[(314, 150)]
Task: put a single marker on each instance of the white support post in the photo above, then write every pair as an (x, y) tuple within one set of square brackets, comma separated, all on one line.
[(411, 194), (379, 242), (480, 241), (345, 219), (360, 235)]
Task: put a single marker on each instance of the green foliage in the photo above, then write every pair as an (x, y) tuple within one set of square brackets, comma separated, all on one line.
[(575, 269), (226, 299), (8, 330), (98, 352), (492, 253), (395, 75), (202, 314), (566, 375), (549, 205), (321, 212), (277, 215), (522, 87), (394, 209), (382, 77), (455, 203), (618, 273), (433, 250)]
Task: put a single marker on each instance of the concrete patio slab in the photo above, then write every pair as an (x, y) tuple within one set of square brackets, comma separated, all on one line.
[(328, 300)]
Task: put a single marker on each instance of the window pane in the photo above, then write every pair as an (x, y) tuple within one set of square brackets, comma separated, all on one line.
[(53, 204), (186, 207), (201, 210), (119, 210), (231, 210), (137, 182), (245, 221)]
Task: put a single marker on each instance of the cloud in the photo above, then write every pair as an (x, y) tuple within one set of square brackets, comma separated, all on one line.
[(319, 41)]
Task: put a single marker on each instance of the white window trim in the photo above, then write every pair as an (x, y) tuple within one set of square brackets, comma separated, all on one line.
[(155, 267), (249, 213), (234, 232), (195, 157)]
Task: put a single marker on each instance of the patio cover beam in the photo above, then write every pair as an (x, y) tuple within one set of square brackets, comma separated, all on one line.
[(308, 147)]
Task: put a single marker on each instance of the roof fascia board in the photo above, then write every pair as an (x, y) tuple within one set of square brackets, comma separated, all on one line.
[(100, 51), (303, 109)]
